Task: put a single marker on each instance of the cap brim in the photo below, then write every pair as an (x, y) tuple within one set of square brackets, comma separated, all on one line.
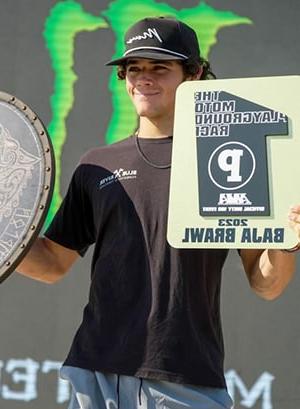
[(151, 55)]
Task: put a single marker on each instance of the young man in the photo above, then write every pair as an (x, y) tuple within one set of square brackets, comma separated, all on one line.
[(151, 334)]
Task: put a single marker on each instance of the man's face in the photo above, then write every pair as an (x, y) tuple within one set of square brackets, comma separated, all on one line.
[(151, 85)]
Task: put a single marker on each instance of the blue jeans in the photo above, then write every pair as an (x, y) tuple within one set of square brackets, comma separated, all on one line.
[(97, 390)]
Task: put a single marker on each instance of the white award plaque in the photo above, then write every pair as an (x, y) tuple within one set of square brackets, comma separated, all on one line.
[(235, 163)]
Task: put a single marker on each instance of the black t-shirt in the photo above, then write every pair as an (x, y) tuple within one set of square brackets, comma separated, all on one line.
[(153, 310)]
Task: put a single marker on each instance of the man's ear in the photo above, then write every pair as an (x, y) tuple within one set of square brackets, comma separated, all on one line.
[(199, 74), (196, 76)]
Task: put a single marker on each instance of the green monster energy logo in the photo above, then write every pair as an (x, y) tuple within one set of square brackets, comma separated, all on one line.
[(68, 18)]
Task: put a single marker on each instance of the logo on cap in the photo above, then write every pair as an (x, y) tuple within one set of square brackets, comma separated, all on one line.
[(150, 33)]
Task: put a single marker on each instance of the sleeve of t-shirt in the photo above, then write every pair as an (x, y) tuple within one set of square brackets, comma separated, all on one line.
[(73, 226)]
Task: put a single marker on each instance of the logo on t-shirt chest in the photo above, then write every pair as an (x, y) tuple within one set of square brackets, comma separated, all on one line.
[(117, 176)]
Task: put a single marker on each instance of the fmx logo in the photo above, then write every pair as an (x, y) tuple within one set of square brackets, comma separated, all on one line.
[(125, 174), (67, 19), (117, 175), (232, 153)]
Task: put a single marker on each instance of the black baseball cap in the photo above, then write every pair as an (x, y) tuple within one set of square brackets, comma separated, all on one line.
[(160, 38)]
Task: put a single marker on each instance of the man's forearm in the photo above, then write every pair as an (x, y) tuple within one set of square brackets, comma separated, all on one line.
[(273, 271), (46, 261)]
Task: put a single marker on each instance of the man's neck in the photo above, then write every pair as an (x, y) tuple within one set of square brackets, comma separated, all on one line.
[(155, 129)]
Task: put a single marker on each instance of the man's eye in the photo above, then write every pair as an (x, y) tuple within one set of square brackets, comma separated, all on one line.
[(160, 67), (132, 69)]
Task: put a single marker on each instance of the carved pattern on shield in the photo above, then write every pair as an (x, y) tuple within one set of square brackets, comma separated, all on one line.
[(16, 167), (27, 173)]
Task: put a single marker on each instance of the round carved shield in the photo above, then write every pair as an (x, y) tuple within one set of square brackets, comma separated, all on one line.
[(26, 180)]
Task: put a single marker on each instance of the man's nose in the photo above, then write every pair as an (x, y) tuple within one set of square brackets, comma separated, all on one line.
[(144, 77)]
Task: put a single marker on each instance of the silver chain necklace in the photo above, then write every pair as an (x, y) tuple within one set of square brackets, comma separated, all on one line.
[(144, 157)]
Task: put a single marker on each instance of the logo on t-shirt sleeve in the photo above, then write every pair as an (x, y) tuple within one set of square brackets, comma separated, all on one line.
[(116, 176)]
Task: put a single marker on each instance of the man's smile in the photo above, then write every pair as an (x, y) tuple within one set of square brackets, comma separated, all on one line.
[(145, 93)]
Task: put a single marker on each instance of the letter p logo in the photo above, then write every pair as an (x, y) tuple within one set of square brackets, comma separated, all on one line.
[(231, 165), (229, 160)]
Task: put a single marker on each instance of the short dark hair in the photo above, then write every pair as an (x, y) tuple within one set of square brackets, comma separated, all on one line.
[(190, 68)]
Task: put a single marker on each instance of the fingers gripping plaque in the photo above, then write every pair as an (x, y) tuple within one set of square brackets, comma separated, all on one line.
[(26, 180)]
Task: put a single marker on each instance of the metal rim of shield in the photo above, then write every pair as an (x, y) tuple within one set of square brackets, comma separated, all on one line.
[(27, 171)]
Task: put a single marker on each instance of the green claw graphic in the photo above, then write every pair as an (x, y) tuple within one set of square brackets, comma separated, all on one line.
[(67, 19)]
